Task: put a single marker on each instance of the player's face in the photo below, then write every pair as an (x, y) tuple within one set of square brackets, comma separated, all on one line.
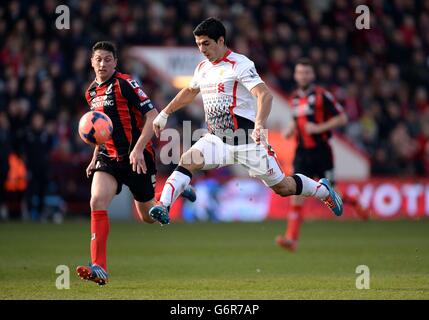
[(212, 50), (304, 75), (104, 64)]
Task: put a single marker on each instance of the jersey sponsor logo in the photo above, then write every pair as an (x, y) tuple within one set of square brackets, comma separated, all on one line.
[(133, 83), (102, 101), (220, 87), (207, 88), (253, 73), (109, 89), (303, 110)]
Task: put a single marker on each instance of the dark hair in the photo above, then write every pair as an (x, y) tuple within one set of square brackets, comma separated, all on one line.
[(105, 45), (212, 28), (305, 62)]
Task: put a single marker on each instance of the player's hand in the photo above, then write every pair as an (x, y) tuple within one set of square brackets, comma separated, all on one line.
[(90, 168), (159, 123), (258, 135), (137, 161), (312, 128)]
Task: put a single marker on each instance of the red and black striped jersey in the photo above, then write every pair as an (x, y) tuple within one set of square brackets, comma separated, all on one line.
[(122, 99), (315, 105)]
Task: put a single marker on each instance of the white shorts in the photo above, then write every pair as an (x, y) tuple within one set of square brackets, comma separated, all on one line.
[(260, 162)]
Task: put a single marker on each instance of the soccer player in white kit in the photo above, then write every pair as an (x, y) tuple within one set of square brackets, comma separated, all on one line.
[(230, 86)]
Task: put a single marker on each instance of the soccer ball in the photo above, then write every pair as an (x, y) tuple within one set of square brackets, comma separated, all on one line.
[(95, 127)]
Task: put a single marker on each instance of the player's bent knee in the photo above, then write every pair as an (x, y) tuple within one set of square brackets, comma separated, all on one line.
[(192, 160), (99, 203)]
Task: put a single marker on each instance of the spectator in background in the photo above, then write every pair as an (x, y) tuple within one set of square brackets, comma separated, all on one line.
[(46, 70), (4, 162), (38, 144)]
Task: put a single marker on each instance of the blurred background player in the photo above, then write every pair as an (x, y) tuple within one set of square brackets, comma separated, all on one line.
[(126, 158), (229, 84), (316, 114)]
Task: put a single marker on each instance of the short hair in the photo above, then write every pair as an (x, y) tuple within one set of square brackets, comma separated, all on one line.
[(212, 28), (105, 45), (305, 62)]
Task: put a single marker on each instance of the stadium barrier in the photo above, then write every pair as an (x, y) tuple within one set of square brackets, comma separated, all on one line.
[(247, 199)]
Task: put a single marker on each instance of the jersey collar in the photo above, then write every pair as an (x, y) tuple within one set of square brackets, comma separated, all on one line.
[(224, 58), (305, 92), (99, 84)]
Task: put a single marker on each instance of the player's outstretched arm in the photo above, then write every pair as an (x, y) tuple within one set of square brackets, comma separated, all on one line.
[(136, 156), (183, 98), (333, 123), (338, 119)]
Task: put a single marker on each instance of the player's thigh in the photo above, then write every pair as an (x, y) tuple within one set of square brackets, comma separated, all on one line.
[(316, 164), (103, 188), (260, 162), (142, 186), (326, 167), (214, 152), (305, 162)]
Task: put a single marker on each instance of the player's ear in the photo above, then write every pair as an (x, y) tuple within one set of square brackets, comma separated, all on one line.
[(221, 41)]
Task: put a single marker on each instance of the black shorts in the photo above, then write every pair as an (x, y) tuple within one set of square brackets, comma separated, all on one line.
[(315, 163), (142, 186)]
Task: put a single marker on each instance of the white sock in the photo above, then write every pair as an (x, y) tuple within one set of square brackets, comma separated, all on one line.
[(174, 186), (311, 188)]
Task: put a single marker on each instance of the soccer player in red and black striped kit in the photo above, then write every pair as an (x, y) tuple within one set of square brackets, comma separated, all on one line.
[(315, 114), (126, 158)]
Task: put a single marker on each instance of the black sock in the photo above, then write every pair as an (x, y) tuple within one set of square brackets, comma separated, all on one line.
[(184, 171), (298, 182)]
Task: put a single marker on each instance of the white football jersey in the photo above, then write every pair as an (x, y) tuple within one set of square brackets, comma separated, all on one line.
[(225, 88)]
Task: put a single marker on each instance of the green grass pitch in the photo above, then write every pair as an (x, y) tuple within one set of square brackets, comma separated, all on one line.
[(220, 261)]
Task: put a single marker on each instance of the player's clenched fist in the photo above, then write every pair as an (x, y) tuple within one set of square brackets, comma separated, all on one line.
[(159, 123), (258, 135)]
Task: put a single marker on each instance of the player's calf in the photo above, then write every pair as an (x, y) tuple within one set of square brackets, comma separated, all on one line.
[(299, 184)]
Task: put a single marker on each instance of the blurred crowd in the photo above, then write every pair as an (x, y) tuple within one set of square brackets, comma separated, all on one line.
[(380, 75)]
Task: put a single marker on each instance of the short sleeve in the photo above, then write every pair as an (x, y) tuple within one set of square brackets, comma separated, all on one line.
[(195, 81), (136, 97), (331, 104), (248, 76)]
